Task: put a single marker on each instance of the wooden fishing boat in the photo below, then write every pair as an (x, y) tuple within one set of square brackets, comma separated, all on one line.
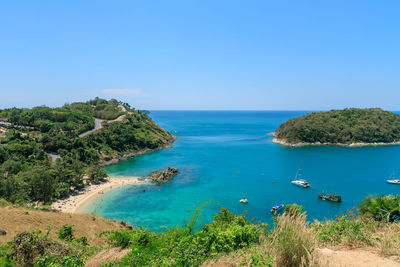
[(330, 197)]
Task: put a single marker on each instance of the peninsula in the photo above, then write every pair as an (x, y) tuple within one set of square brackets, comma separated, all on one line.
[(348, 127), (48, 154)]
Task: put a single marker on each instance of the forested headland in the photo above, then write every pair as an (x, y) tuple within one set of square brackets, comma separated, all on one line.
[(42, 157)]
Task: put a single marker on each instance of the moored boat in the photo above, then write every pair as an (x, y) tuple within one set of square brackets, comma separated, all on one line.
[(244, 200), (277, 208), (300, 182), (393, 181), (330, 197)]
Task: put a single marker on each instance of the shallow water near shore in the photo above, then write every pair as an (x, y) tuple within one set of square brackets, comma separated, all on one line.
[(224, 156)]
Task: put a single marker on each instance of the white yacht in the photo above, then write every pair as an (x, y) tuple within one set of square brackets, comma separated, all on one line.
[(393, 181), (300, 182)]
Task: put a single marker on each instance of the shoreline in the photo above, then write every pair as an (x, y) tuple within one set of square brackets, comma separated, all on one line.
[(77, 203), (302, 144)]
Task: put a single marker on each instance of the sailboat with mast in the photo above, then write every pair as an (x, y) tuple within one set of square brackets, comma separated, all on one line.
[(300, 182), (393, 179)]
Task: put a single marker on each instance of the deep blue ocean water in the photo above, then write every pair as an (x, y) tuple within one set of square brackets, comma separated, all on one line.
[(226, 155)]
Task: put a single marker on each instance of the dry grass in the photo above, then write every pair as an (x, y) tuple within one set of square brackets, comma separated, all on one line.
[(387, 239), (293, 240), (15, 221), (106, 256)]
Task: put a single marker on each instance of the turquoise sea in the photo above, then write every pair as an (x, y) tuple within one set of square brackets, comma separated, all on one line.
[(226, 155)]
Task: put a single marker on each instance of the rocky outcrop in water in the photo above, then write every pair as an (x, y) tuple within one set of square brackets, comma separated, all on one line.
[(164, 176)]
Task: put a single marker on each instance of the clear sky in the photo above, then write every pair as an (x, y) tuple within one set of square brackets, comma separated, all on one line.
[(272, 55)]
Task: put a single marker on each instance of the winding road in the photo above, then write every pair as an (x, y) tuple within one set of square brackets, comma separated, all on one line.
[(98, 123), (97, 126)]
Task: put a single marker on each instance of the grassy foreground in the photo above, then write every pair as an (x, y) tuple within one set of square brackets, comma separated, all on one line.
[(292, 241)]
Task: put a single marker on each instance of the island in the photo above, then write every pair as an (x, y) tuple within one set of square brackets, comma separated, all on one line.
[(347, 127)]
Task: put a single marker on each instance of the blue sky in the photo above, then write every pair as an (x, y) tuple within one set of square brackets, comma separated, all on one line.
[(265, 55)]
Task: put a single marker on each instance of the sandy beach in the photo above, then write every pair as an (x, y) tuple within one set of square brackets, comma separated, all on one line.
[(76, 203)]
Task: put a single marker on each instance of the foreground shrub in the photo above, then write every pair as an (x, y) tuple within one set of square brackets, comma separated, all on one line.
[(381, 208), (126, 238), (293, 209), (66, 233), (51, 261), (5, 258), (4, 203), (257, 258), (26, 247), (343, 230), (183, 246), (292, 240)]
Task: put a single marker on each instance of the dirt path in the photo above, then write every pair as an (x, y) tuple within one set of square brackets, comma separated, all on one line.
[(357, 258)]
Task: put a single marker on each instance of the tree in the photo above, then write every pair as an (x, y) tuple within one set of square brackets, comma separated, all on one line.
[(96, 174), (42, 183), (381, 208)]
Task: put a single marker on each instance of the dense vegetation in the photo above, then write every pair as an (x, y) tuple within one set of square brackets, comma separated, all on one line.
[(72, 118), (27, 172), (183, 246), (228, 238), (342, 127)]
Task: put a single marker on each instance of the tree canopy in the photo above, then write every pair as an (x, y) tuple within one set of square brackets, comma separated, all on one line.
[(352, 125)]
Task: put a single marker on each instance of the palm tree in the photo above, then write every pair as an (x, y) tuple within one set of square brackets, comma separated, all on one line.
[(381, 208)]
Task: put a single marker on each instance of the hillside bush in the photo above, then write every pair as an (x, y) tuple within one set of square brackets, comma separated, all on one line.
[(66, 232), (343, 230), (182, 245), (381, 208), (293, 209), (26, 247), (51, 261)]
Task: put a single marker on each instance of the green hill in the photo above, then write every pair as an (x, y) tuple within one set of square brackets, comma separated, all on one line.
[(28, 136), (346, 126)]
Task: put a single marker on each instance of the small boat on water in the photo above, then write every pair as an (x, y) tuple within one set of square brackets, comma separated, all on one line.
[(393, 181), (330, 197), (300, 182), (244, 200), (277, 208)]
